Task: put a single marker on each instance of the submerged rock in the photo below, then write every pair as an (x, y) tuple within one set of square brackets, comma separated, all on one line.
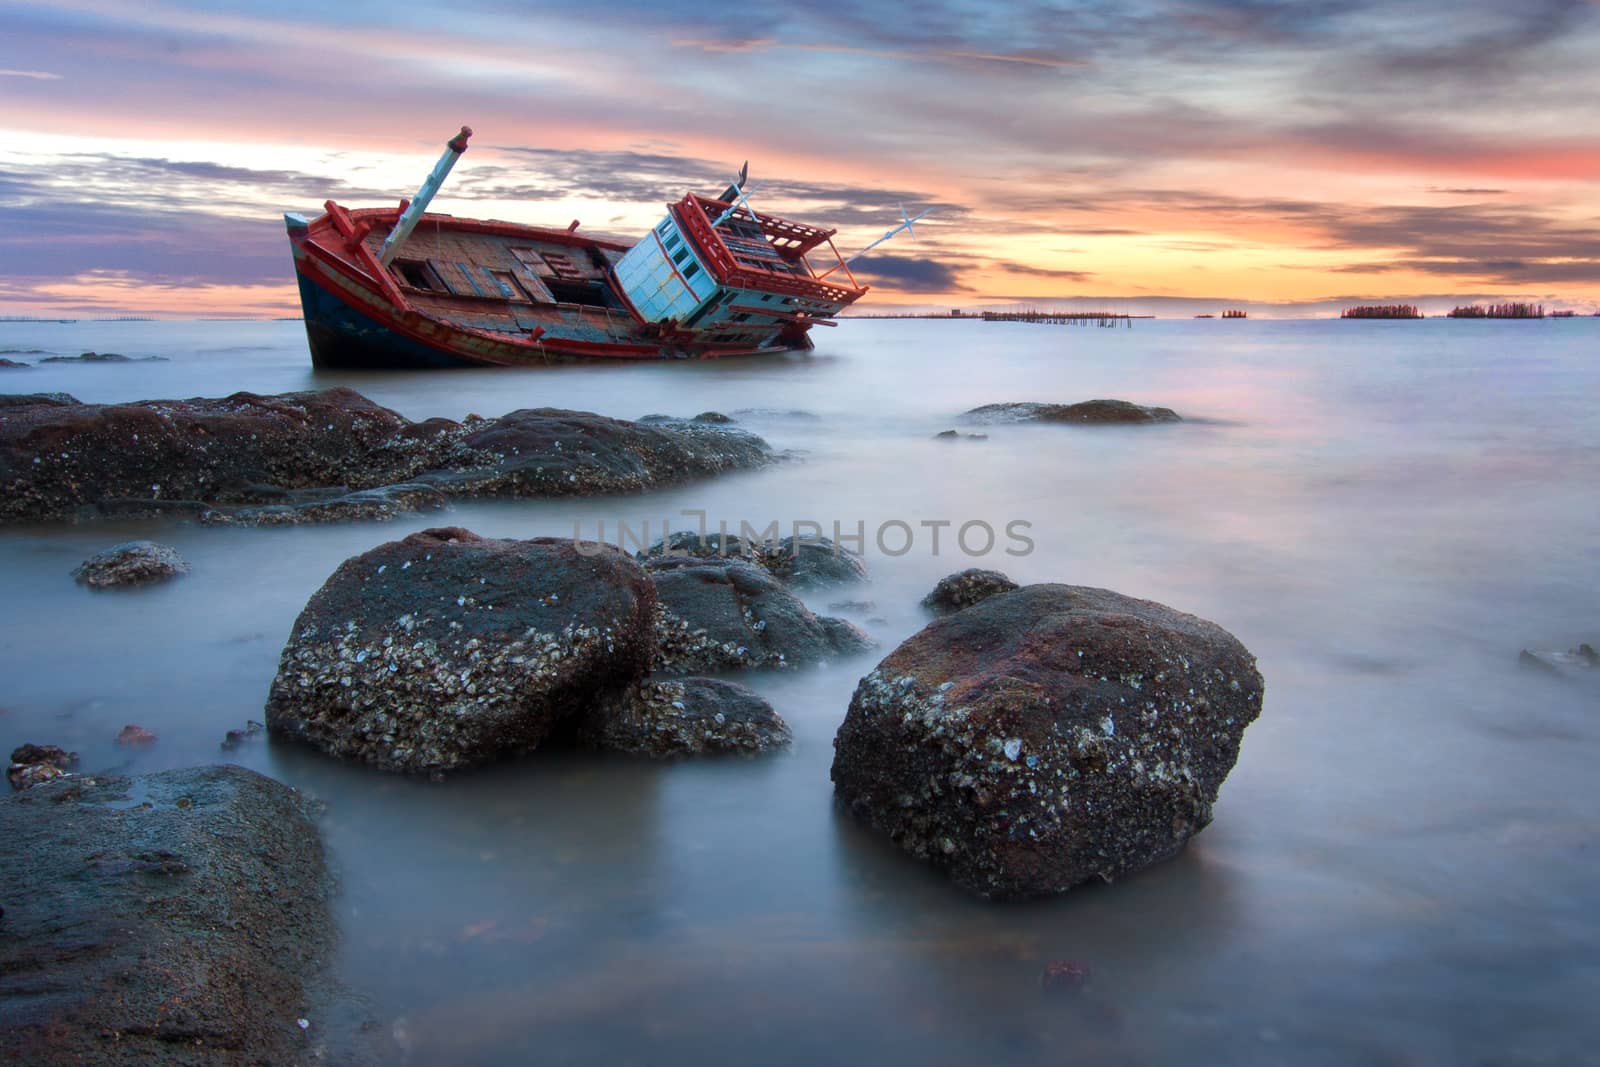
[(132, 736), (329, 455), (179, 918), (11, 364), (103, 357), (683, 717), (448, 650), (1099, 412), (32, 764), (966, 588), (1582, 659), (727, 614), (1047, 736), (131, 563)]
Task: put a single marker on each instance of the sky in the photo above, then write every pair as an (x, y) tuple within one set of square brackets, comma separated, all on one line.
[(1148, 156)]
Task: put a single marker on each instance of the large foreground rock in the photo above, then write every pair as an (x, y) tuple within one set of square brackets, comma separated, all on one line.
[(177, 918), (683, 717), (305, 457), (1097, 412), (449, 650), (1047, 736), (726, 614)]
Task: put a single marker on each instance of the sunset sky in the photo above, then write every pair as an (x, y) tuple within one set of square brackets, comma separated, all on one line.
[(1147, 155)]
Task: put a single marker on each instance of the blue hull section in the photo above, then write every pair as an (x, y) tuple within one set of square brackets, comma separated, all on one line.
[(343, 338)]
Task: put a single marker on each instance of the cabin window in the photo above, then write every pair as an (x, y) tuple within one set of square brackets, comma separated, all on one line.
[(691, 270), (683, 254), (419, 274), (664, 226), (673, 242)]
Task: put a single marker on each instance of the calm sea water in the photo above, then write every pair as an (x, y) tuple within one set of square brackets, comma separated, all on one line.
[(1404, 864)]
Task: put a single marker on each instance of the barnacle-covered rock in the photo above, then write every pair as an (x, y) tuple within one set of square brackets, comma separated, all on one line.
[(966, 588), (176, 918), (448, 650), (683, 717), (727, 614), (1047, 736), (327, 456), (131, 563)]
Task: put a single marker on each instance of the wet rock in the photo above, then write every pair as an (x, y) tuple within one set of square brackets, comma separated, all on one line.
[(133, 736), (49, 400), (947, 435), (802, 563), (712, 416), (964, 589), (234, 740), (858, 606), (32, 764), (212, 459), (1582, 659), (814, 563), (727, 614), (1046, 737), (131, 563), (1097, 412), (448, 650), (142, 930), (54, 461), (103, 357), (683, 717), (550, 452), (11, 364)]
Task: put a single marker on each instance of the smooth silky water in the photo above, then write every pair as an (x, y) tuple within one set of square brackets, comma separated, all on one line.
[(1403, 866)]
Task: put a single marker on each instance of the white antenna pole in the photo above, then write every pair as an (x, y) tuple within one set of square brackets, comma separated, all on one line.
[(419, 203), (906, 226)]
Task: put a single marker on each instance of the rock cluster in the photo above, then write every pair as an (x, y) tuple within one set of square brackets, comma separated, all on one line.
[(448, 650), (1047, 736), (333, 454)]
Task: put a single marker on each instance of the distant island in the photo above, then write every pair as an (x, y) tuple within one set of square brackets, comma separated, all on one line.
[(1381, 311), (1499, 311)]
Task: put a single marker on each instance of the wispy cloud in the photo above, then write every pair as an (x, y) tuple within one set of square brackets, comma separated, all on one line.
[(36, 75)]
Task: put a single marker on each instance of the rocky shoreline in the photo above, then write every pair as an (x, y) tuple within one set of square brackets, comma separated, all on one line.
[(1027, 740), (328, 455)]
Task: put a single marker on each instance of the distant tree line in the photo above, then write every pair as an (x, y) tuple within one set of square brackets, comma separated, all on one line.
[(1499, 311), (1381, 311)]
